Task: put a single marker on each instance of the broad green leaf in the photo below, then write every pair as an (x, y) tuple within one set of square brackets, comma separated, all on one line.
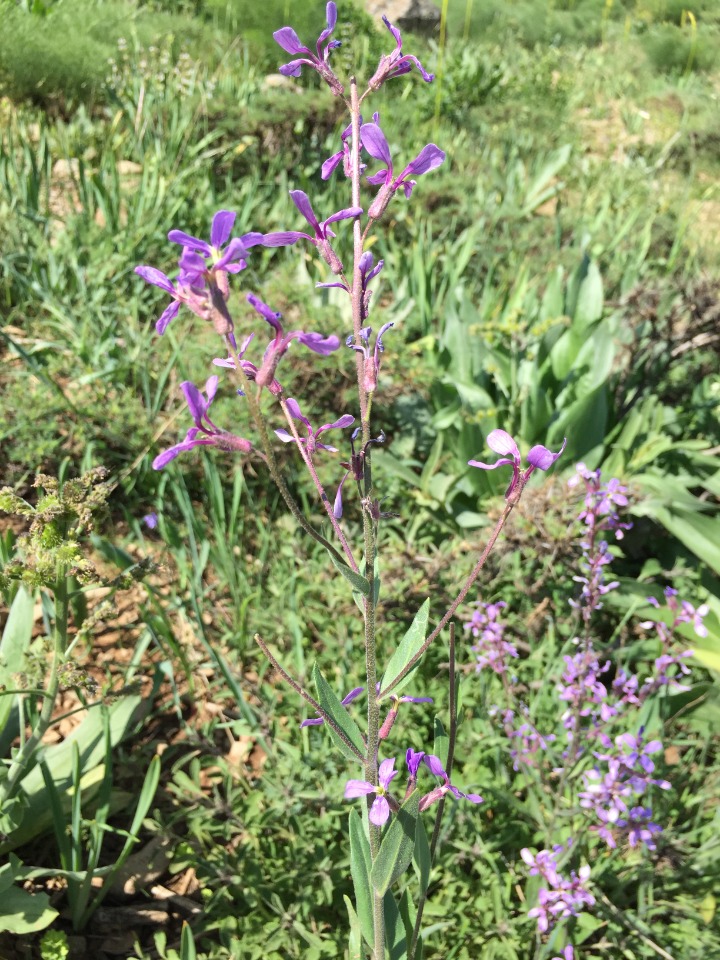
[(13, 646), (360, 865), (358, 582), (698, 532), (331, 705), (398, 844), (409, 646), (22, 912)]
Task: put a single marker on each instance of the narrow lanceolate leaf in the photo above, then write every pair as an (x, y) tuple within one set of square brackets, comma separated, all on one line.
[(396, 850), (360, 864), (441, 743), (409, 646), (355, 947), (13, 646), (335, 709), (421, 856), (359, 583)]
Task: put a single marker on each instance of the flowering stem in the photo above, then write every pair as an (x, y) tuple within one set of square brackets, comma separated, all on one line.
[(305, 454), (300, 690), (452, 736), (371, 764), (458, 599), (260, 426)]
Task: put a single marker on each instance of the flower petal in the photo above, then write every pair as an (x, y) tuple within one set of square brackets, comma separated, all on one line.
[(379, 811), (501, 442), (289, 41), (375, 142), (542, 458), (358, 788), (221, 228)]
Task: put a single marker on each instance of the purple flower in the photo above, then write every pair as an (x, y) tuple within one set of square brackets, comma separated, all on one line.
[(492, 650), (395, 64), (373, 139), (348, 698), (343, 155), (380, 809), (250, 370), (311, 441), (355, 468), (393, 712), (434, 765), (321, 231), (277, 347), (372, 359), (204, 433), (290, 42), (539, 458), (150, 520), (194, 297), (567, 954), (222, 262), (563, 897)]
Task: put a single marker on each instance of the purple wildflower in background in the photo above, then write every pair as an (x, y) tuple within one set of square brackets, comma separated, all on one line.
[(582, 689), (601, 502), (150, 520), (374, 141), (529, 742), (539, 458), (372, 357), (396, 64), (380, 809), (348, 698), (321, 230), (492, 651), (290, 42), (567, 954), (311, 441), (204, 433), (563, 896)]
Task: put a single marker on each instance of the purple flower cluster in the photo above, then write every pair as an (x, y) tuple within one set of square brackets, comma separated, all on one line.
[(613, 786), (528, 742), (561, 896), (581, 688), (600, 515), (491, 649)]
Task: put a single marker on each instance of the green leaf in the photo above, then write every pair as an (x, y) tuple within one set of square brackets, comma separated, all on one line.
[(441, 744), (409, 646), (360, 864), (421, 856), (397, 847), (13, 646), (359, 583), (22, 912), (335, 709), (187, 942), (355, 947), (395, 934)]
